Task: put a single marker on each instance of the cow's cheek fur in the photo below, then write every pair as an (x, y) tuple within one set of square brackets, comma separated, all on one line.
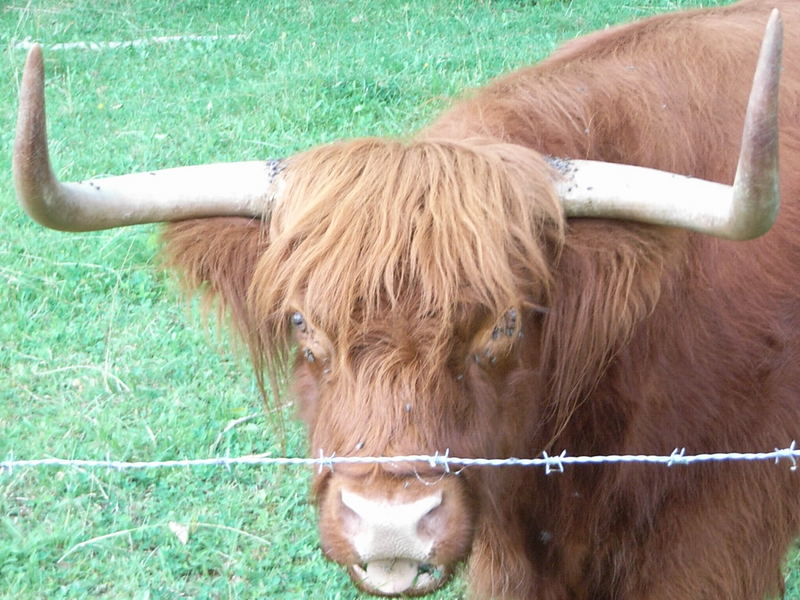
[(305, 393)]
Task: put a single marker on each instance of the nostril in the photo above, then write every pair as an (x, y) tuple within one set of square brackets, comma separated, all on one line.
[(432, 523), (349, 519)]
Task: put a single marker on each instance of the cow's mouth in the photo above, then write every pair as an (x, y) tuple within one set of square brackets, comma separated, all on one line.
[(399, 576)]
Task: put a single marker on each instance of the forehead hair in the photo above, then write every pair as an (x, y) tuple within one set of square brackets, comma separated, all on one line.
[(427, 230)]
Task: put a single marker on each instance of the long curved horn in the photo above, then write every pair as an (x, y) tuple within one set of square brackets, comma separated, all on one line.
[(223, 189), (740, 212)]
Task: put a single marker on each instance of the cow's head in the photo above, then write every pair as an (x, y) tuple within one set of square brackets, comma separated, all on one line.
[(404, 288), (396, 280)]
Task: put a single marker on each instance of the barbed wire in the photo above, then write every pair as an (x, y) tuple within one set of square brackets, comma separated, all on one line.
[(551, 464), (95, 46)]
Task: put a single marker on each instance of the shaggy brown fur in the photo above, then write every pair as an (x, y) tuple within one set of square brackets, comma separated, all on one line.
[(404, 256)]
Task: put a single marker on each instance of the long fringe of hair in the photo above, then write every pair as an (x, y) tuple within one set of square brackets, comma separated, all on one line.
[(435, 230), (431, 230)]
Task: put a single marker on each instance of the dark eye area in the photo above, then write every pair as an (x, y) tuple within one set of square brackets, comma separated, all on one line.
[(298, 321)]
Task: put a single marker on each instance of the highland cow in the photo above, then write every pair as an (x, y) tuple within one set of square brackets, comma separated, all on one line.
[(585, 254)]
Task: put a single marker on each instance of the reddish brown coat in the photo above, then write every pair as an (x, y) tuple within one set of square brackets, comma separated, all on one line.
[(653, 338)]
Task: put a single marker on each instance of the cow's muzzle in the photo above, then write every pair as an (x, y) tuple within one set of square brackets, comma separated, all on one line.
[(396, 536)]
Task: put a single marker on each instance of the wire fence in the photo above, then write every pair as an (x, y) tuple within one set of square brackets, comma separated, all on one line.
[(551, 464), (27, 43)]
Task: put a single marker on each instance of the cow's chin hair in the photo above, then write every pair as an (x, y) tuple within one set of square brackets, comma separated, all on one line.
[(427, 579)]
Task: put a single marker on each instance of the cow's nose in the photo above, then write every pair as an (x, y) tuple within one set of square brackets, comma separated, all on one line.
[(393, 541), (379, 529)]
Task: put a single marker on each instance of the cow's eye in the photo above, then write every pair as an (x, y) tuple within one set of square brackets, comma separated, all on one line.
[(299, 322)]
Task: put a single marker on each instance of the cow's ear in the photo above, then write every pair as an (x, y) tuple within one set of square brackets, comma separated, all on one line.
[(608, 279), (217, 257)]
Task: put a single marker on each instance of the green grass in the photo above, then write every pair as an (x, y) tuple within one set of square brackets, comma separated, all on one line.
[(98, 355)]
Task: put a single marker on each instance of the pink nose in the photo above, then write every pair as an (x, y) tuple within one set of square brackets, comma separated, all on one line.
[(393, 541), (396, 534), (380, 529)]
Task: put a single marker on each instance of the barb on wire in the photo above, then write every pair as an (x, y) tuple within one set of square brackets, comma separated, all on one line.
[(442, 461), (678, 457), (792, 455), (552, 464), (325, 461)]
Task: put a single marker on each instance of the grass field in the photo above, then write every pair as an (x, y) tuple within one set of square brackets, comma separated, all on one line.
[(98, 354)]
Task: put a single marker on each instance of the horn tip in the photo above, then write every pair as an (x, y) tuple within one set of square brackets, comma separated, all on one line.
[(32, 76), (30, 161), (774, 24), (35, 59)]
